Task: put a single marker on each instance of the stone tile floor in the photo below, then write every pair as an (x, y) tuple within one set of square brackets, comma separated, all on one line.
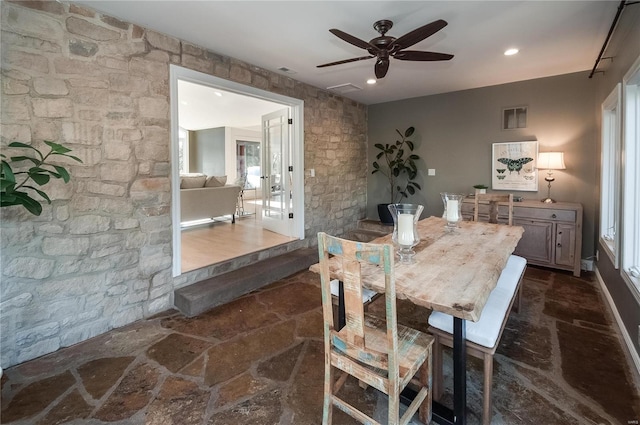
[(259, 360)]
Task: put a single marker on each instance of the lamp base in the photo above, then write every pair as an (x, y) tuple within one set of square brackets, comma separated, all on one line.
[(548, 201)]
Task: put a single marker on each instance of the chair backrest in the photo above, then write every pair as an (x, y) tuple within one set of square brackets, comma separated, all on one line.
[(493, 199), (352, 258)]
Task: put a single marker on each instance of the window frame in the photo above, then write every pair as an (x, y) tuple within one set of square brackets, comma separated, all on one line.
[(630, 249), (610, 178)]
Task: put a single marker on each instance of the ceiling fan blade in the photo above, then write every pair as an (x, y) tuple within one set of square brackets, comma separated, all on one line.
[(415, 55), (381, 68), (344, 61), (351, 39), (417, 35)]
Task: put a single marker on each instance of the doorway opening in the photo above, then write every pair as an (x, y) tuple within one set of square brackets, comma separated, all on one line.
[(258, 148)]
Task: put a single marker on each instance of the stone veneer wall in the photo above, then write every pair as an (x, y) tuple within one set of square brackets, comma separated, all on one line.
[(100, 256)]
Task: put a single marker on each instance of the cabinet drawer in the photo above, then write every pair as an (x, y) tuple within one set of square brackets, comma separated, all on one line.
[(544, 214)]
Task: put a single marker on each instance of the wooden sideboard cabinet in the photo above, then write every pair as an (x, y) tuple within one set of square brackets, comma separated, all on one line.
[(552, 232)]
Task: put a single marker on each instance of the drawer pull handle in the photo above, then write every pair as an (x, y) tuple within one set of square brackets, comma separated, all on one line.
[(553, 216), (559, 245)]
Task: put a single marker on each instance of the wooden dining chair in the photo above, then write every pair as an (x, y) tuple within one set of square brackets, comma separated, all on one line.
[(493, 199), (377, 352)]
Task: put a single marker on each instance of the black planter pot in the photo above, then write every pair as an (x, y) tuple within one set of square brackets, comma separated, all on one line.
[(385, 214)]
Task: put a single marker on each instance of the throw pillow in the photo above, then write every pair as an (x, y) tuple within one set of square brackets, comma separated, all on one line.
[(215, 181), (191, 181)]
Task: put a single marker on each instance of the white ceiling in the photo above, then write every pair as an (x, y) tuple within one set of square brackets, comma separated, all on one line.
[(554, 37), (202, 107)]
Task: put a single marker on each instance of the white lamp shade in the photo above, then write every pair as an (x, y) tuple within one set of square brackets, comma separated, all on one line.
[(551, 161)]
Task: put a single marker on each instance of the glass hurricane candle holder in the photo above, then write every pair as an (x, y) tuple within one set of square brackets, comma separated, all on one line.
[(452, 208), (405, 229)]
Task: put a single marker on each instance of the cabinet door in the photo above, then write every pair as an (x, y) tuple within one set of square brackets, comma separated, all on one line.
[(565, 244), (536, 242)]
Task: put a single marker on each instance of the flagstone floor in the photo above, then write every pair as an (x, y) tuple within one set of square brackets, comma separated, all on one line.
[(259, 360)]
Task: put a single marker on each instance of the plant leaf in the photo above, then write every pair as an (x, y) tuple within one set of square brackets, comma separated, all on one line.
[(74, 158), (33, 206), (376, 165), (410, 144), (26, 158), (379, 146), (39, 178), (41, 193), (411, 190), (409, 132), (62, 173), (7, 172), (21, 145), (414, 156), (398, 131), (57, 148)]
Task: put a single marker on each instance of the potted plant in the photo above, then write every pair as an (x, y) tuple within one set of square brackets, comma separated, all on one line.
[(481, 188), (397, 163), (13, 184)]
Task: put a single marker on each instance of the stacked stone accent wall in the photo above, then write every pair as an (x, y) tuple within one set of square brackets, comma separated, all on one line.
[(100, 255)]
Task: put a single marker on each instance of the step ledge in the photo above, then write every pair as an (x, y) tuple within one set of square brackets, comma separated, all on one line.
[(204, 295)]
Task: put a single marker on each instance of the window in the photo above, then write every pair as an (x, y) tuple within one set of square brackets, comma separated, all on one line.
[(610, 183), (248, 163), (631, 182)]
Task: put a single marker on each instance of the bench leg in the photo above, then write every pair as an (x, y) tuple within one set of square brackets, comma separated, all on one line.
[(486, 393), (517, 304)]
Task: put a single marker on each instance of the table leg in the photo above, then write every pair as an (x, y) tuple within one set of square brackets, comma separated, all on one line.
[(459, 371)]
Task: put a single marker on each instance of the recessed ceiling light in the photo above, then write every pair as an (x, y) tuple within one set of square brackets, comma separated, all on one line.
[(371, 81), (511, 52), (217, 93)]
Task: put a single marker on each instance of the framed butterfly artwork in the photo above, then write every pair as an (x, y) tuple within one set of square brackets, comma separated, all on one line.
[(513, 166)]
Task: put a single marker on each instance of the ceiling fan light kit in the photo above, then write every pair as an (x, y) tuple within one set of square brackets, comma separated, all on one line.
[(385, 47)]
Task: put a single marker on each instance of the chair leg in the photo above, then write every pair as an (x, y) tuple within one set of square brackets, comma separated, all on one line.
[(486, 393), (437, 369), (425, 379), (327, 405), (394, 405)]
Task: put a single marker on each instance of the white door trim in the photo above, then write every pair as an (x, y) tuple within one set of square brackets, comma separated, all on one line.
[(297, 138)]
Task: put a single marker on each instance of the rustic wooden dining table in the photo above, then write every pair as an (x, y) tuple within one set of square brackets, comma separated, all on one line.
[(453, 271)]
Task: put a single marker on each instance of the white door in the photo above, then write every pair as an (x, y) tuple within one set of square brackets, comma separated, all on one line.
[(277, 201)]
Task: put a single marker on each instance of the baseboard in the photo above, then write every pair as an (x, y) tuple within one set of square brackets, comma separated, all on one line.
[(625, 335)]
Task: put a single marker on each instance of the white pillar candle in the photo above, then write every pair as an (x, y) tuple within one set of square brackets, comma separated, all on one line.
[(452, 210), (405, 229)]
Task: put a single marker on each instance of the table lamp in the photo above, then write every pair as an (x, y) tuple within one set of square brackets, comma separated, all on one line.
[(550, 161)]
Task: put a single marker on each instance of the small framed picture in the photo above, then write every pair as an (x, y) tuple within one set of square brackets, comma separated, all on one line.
[(513, 166)]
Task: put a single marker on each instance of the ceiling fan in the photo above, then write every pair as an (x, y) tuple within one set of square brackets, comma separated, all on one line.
[(384, 47)]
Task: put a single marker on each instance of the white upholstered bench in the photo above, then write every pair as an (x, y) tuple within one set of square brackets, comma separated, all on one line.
[(484, 335)]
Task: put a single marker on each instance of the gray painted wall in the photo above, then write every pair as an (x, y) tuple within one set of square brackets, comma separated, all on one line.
[(455, 132), (206, 152), (625, 49)]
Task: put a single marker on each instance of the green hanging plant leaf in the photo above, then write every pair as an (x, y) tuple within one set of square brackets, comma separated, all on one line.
[(12, 184)]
